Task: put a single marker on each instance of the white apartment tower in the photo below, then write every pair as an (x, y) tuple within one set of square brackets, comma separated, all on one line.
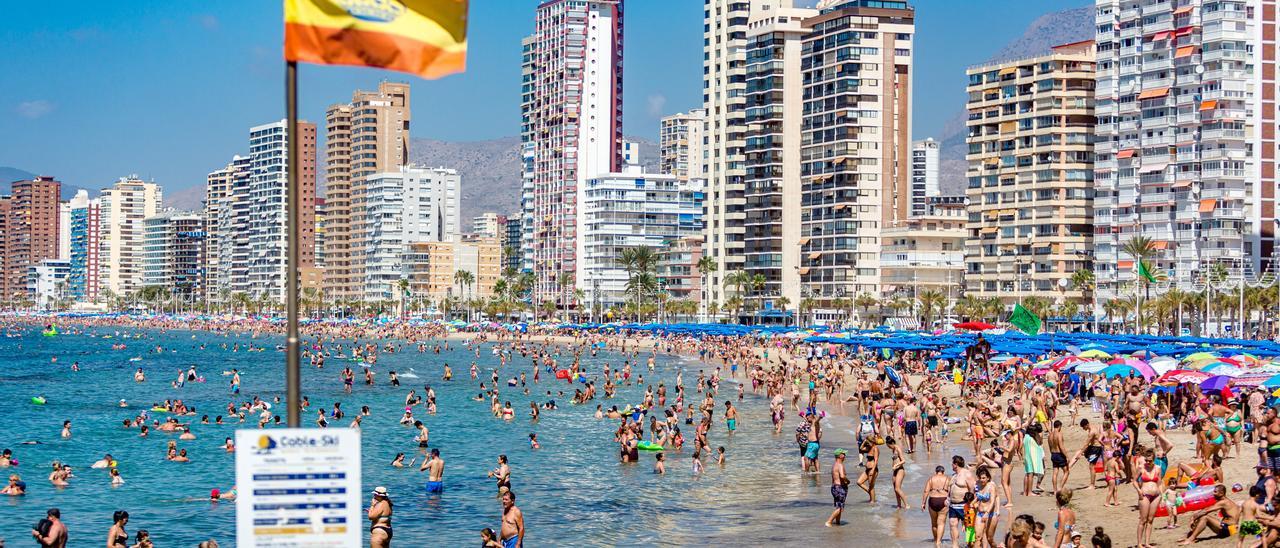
[(123, 208), (268, 208), (1185, 138), (724, 90), (680, 146), (572, 119), (924, 175), (414, 204)]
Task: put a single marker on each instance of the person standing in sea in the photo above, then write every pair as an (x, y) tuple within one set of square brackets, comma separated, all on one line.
[(839, 487), (512, 531)]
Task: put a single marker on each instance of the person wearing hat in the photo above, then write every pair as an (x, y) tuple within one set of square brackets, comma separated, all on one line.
[(380, 516), (839, 487)]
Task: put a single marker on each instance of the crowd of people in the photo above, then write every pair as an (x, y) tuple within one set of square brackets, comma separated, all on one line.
[(1142, 450)]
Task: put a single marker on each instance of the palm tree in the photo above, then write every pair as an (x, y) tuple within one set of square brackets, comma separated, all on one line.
[(1141, 248), (564, 281), (465, 278), (639, 262), (931, 300), (783, 302), (403, 286), (865, 302), (807, 305), (1037, 305), (706, 266)]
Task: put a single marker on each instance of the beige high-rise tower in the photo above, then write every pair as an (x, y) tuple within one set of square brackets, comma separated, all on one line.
[(366, 136)]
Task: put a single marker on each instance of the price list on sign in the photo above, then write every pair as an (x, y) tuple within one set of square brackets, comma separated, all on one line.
[(298, 487)]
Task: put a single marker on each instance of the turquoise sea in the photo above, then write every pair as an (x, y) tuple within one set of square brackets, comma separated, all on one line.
[(573, 491)]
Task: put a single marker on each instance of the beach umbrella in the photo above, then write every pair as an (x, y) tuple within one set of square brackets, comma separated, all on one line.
[(1094, 353), (1091, 367), (1040, 372), (1120, 370), (1065, 361), (1199, 356), (1251, 380), (1163, 365), (1272, 382), (1181, 376), (1224, 369), (1215, 383), (973, 326)]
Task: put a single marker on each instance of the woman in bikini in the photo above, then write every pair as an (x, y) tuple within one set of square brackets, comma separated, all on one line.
[(380, 519), (1234, 426), (871, 461), (1148, 488), (987, 502), (934, 500), (899, 472)]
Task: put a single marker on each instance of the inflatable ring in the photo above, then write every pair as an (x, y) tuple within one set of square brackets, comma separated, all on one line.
[(38, 400)]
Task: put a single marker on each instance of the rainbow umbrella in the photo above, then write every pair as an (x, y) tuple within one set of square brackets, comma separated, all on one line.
[(1181, 376), (1094, 354)]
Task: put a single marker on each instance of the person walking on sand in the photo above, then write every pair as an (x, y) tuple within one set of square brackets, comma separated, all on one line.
[(839, 487), (934, 500)]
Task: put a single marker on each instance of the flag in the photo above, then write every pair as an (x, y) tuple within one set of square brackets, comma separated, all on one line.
[(1143, 271), (1024, 320), (423, 37)]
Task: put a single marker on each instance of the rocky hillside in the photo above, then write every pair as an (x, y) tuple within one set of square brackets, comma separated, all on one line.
[(490, 170)]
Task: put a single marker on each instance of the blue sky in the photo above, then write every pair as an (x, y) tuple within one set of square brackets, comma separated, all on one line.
[(168, 89)]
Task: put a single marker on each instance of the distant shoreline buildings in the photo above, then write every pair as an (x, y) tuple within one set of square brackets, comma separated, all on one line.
[(794, 192)]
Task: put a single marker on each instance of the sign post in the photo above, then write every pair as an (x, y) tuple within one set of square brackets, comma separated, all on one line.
[(298, 487)]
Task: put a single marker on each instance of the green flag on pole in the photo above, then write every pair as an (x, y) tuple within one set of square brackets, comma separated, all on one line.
[(1144, 272), (1024, 320)]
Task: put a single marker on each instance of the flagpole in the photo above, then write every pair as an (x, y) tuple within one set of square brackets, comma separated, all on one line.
[(293, 392)]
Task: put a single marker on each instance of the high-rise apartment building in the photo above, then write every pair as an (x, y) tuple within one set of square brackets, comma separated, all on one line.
[(173, 254), (489, 225), (412, 204), (1030, 173), (85, 230), (572, 116), (124, 207), (924, 175), (30, 233), (724, 90), (1186, 138), (771, 186), (631, 209), (268, 205), (366, 136), (512, 236), (855, 167), (680, 146), (222, 188)]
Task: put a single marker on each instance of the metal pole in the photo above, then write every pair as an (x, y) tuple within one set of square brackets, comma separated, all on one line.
[(293, 390)]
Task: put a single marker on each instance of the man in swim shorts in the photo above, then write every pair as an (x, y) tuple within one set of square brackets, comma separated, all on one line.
[(730, 416), (434, 465), (512, 531), (839, 487)]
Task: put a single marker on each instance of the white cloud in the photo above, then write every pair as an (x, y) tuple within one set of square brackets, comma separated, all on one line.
[(34, 109), (657, 105)]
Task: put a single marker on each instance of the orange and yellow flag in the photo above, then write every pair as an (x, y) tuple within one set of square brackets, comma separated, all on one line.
[(423, 37)]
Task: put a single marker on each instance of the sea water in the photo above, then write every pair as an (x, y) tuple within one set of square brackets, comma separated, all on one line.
[(573, 491)]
